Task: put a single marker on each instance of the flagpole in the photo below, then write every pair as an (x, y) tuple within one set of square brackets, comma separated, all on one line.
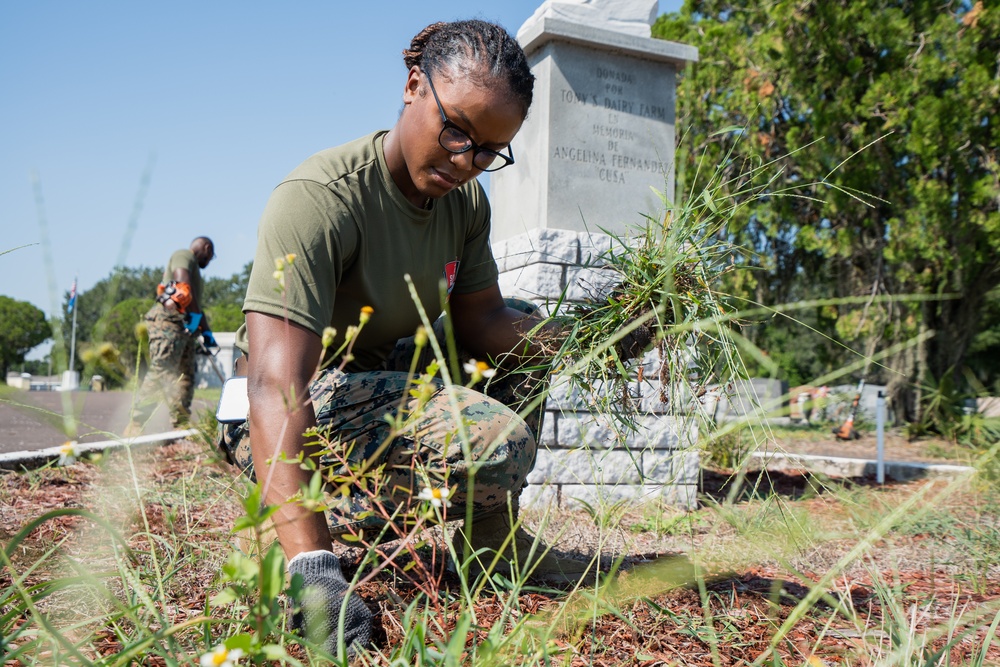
[(72, 337)]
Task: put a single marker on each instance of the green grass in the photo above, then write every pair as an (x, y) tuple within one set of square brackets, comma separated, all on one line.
[(208, 394), (140, 566)]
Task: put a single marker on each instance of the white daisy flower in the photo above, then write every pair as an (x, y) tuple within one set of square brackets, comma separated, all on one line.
[(68, 453), (220, 656), (478, 370), (436, 497)]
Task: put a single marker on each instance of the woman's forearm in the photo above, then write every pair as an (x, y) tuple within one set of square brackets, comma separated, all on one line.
[(276, 442), (282, 360)]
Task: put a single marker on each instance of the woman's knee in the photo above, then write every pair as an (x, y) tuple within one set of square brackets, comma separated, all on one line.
[(504, 464)]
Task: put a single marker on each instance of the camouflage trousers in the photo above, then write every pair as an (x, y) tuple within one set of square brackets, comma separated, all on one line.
[(172, 366), (410, 432)]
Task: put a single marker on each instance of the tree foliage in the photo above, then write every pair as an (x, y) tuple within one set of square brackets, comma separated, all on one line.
[(223, 299), (122, 284), (885, 116), (226, 316), (24, 327), (227, 291), (118, 355)]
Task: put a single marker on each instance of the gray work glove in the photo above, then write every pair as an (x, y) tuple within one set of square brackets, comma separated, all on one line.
[(323, 590)]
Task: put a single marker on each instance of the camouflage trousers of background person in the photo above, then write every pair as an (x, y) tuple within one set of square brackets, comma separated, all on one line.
[(172, 366), (351, 412)]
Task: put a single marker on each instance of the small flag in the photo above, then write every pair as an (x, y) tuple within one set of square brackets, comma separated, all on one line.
[(72, 297)]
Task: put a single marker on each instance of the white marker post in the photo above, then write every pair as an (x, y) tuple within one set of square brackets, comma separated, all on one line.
[(880, 431)]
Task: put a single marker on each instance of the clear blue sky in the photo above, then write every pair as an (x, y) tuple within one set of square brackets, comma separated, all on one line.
[(218, 100)]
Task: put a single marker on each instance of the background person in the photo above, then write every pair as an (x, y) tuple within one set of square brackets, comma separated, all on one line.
[(173, 323), (356, 219)]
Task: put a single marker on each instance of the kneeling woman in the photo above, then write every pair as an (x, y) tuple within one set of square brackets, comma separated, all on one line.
[(358, 218)]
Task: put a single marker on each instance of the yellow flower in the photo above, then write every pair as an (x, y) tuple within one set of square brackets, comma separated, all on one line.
[(108, 353), (279, 263), (290, 258), (329, 334), (366, 314)]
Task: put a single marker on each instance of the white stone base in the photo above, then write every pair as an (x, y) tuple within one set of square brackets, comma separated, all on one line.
[(581, 459), (70, 381), (601, 496)]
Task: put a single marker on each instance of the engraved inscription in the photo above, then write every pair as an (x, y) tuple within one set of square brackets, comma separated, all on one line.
[(578, 155), (615, 148)]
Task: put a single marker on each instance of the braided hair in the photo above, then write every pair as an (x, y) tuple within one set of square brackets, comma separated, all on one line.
[(474, 49)]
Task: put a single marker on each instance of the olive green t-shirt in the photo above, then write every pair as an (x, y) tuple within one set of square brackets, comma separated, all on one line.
[(185, 259), (355, 236)]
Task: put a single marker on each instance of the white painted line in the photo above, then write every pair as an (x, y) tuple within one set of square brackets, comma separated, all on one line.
[(12, 458), (942, 468)]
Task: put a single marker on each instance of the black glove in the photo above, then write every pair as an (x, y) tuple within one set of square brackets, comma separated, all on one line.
[(633, 344), (323, 593), (208, 339)]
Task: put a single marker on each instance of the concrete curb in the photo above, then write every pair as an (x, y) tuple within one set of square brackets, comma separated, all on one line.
[(39, 457), (835, 466)]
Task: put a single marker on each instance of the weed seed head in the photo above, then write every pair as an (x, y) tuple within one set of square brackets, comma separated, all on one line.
[(329, 333), (420, 338)]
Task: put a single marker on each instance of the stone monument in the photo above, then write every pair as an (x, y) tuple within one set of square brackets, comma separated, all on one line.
[(592, 157), (600, 134)]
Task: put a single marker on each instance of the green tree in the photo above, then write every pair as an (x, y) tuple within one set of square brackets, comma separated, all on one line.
[(119, 330), (884, 115), (24, 327), (225, 317), (224, 300), (36, 366), (227, 291), (984, 353), (122, 284)]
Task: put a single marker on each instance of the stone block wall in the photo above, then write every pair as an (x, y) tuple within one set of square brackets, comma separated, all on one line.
[(580, 457), (539, 265)]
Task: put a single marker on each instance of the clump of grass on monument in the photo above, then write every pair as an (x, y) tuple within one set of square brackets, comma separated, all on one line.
[(662, 291), (661, 283)]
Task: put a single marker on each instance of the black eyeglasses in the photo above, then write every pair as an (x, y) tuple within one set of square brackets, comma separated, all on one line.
[(454, 140)]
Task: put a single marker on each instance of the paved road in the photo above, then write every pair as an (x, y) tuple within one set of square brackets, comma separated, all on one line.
[(32, 420)]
